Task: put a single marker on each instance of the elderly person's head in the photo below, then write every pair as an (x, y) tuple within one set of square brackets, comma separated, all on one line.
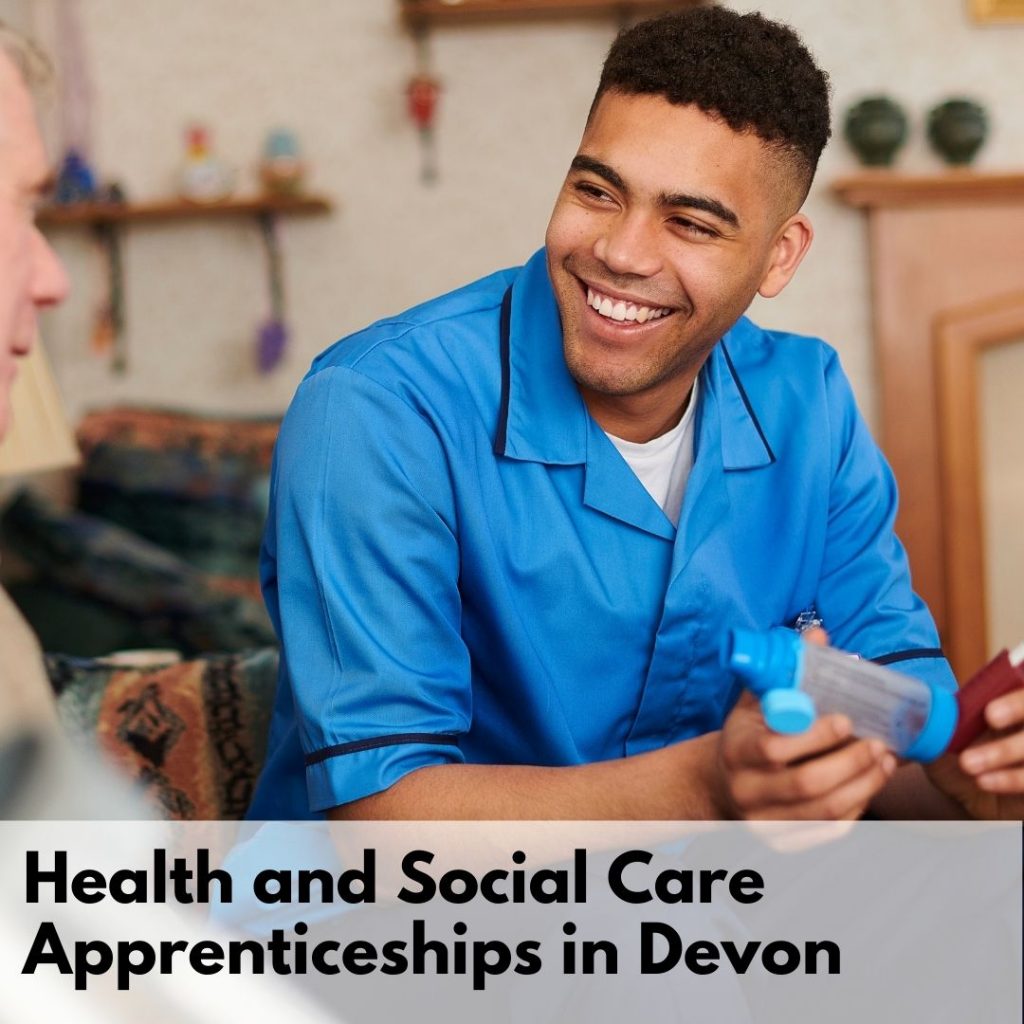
[(31, 276)]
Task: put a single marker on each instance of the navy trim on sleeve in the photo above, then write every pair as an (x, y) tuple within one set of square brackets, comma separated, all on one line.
[(746, 402), (506, 372), (379, 741), (919, 652)]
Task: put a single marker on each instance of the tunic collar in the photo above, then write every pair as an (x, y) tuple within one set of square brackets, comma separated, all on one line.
[(543, 417)]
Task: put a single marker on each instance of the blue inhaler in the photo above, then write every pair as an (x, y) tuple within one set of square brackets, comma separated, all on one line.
[(797, 681)]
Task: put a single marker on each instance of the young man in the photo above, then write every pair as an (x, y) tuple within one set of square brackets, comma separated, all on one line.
[(510, 528), (31, 277)]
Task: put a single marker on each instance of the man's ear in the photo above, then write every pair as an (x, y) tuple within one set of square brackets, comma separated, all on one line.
[(791, 244)]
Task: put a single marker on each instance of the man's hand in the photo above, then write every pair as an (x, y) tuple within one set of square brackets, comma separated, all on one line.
[(987, 779), (820, 774)]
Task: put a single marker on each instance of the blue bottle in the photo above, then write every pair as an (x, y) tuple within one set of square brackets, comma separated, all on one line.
[(797, 681)]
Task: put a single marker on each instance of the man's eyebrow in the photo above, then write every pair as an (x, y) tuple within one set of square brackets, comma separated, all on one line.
[(705, 203), (582, 162)]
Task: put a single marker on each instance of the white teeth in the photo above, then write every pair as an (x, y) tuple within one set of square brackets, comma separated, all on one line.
[(623, 311)]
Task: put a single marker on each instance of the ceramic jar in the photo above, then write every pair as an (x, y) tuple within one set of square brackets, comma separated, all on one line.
[(875, 128), (957, 129)]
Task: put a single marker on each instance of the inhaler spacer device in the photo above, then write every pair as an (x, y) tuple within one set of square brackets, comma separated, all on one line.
[(797, 681)]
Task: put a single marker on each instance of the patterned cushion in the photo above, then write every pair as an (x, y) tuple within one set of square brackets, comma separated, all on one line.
[(193, 734), (196, 486), (174, 604)]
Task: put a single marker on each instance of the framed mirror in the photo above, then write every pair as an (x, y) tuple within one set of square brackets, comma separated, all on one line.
[(997, 10)]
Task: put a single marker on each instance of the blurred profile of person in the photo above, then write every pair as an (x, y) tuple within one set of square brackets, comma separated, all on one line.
[(31, 278)]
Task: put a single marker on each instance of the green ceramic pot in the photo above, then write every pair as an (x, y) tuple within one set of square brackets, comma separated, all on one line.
[(957, 129), (875, 128)]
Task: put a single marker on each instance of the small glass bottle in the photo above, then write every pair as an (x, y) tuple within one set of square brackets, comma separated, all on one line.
[(797, 681)]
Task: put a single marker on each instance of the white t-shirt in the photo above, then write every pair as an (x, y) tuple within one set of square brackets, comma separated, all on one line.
[(663, 464)]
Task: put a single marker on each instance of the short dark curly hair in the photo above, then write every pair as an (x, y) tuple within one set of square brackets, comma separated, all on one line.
[(754, 74)]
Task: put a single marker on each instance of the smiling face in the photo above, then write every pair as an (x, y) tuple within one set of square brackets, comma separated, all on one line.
[(31, 276), (666, 227)]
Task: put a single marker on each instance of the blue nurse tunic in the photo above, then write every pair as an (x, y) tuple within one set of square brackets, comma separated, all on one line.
[(462, 568)]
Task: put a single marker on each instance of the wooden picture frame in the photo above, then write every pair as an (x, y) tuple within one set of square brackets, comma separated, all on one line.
[(997, 10), (962, 336)]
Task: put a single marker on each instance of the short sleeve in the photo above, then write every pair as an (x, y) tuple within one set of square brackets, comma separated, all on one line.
[(361, 567), (865, 596)]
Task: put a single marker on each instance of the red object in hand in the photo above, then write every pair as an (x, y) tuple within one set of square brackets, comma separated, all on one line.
[(422, 93), (999, 676)]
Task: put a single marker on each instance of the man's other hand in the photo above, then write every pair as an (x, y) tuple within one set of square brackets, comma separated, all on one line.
[(987, 779)]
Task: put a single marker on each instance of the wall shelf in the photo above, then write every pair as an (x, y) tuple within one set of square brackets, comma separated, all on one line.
[(872, 189), (97, 214), (454, 12), (107, 220)]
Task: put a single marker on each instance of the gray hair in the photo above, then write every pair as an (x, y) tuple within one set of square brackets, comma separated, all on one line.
[(27, 57)]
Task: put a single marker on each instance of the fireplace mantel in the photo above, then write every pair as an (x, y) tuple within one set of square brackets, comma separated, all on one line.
[(937, 243), (875, 189)]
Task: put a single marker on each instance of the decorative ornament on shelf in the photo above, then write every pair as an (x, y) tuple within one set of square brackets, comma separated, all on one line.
[(108, 323), (957, 129), (282, 171), (76, 182), (272, 336), (422, 93), (204, 178), (875, 128)]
